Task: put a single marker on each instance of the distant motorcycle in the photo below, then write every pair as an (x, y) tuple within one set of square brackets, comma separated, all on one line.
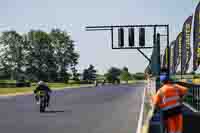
[(42, 97), (96, 83), (103, 82)]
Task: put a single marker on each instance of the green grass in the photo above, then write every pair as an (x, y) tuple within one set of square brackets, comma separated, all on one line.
[(131, 81), (53, 86), (7, 81), (59, 85), (15, 90)]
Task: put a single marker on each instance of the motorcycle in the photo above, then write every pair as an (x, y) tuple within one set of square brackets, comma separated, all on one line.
[(42, 97), (96, 83)]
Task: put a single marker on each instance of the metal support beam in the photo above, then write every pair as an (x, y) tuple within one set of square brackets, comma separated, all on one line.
[(168, 58), (125, 26), (144, 55), (132, 47), (112, 38), (97, 29), (158, 61), (156, 58), (158, 50)]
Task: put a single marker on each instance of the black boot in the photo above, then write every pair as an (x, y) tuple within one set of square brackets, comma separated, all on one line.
[(37, 99), (48, 99)]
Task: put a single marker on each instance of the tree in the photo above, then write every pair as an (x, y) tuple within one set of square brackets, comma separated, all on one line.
[(39, 55), (75, 74), (125, 75), (139, 76), (89, 74), (12, 53), (64, 53), (113, 75)]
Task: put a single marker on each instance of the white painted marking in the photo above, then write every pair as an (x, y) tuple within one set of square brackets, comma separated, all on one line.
[(139, 127), (14, 95), (5, 97)]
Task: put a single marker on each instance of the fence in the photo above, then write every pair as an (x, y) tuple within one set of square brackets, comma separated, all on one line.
[(193, 96)]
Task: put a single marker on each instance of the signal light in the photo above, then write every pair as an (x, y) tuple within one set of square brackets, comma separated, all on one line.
[(121, 37), (131, 37), (142, 37), (158, 38)]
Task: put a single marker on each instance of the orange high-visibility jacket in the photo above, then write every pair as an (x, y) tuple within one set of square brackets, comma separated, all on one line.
[(168, 96)]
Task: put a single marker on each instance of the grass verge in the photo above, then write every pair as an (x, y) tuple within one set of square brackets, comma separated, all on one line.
[(53, 86)]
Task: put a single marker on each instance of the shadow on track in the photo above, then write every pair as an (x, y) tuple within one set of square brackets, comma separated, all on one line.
[(56, 111)]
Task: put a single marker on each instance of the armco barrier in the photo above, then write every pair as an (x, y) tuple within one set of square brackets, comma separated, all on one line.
[(147, 110), (152, 121)]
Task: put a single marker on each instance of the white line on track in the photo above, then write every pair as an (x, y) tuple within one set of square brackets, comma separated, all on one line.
[(5, 97), (139, 127), (14, 95)]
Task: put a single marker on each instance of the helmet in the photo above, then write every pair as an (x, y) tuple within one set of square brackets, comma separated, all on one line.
[(40, 83), (164, 78)]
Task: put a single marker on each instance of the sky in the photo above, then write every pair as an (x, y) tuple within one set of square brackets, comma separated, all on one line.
[(95, 47)]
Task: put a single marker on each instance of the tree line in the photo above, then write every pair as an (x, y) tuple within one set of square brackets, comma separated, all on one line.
[(113, 75), (38, 55)]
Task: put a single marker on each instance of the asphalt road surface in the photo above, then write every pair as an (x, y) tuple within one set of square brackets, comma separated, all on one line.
[(103, 109)]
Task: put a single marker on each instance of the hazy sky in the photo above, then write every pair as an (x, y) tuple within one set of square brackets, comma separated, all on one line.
[(94, 47)]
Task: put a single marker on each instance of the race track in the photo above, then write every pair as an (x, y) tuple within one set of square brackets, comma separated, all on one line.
[(103, 109)]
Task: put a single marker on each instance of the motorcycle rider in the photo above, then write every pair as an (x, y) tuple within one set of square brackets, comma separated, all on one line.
[(96, 83), (42, 87), (104, 81)]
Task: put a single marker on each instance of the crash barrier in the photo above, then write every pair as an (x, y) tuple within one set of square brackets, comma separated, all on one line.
[(149, 120), (152, 121), (192, 98)]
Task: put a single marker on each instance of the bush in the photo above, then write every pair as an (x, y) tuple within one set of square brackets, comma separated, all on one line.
[(7, 85), (80, 82), (196, 76), (139, 76), (23, 84)]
